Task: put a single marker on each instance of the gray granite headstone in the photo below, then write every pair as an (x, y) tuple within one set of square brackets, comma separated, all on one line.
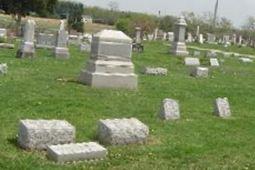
[(170, 110), (61, 50), (158, 71), (190, 61), (46, 41), (222, 108), (214, 62), (199, 72), (138, 35)]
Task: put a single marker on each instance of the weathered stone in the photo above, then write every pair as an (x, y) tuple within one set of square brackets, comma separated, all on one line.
[(214, 62), (7, 45), (122, 131), (85, 47), (179, 46), (199, 72), (3, 68), (155, 71), (110, 63), (170, 36), (246, 60), (61, 50), (76, 152), (3, 33), (138, 39), (47, 41), (27, 48), (211, 38), (170, 110), (201, 38), (222, 108), (211, 54), (37, 134), (189, 61)]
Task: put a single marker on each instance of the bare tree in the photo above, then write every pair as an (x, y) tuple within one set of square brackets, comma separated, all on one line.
[(113, 5)]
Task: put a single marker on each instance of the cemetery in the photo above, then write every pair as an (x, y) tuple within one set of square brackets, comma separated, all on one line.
[(110, 98)]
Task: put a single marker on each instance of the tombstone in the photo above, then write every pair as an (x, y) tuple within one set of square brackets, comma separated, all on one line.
[(110, 63), (226, 39), (122, 131), (155, 36), (155, 71), (211, 38), (74, 39), (138, 35), (47, 41), (164, 36), (240, 40), (246, 60), (196, 53), (27, 48), (61, 50), (3, 68), (3, 33), (199, 72), (179, 46), (76, 152), (37, 134), (234, 39), (190, 38), (198, 32), (170, 110), (211, 54), (85, 47), (214, 62), (201, 39), (170, 36), (222, 108), (189, 61), (150, 37)]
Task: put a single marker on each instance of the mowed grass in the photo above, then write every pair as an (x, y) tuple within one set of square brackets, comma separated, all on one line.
[(46, 88)]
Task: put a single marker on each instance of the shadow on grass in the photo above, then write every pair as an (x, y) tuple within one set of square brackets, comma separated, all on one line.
[(14, 142)]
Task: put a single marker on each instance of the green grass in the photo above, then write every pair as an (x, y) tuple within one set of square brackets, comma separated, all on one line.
[(198, 140), (232, 48)]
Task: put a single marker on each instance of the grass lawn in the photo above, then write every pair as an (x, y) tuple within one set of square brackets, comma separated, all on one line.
[(232, 48), (199, 140)]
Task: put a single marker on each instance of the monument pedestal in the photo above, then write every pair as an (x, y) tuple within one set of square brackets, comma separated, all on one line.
[(179, 49), (27, 50), (62, 53)]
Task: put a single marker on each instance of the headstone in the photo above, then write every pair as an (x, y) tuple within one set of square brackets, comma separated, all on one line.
[(150, 37), (226, 39), (197, 32), (240, 40), (214, 62), (179, 46), (211, 38), (27, 48), (246, 60), (3, 33), (170, 36), (37, 134), (211, 54), (110, 63), (138, 35), (164, 36), (196, 53), (155, 36), (47, 41), (190, 38), (201, 39), (122, 131), (76, 152), (74, 39), (170, 110), (189, 61), (61, 50), (155, 71), (234, 39), (85, 47), (3, 68), (222, 108), (199, 72)]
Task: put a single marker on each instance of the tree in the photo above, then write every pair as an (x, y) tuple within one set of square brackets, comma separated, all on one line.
[(167, 23), (113, 5)]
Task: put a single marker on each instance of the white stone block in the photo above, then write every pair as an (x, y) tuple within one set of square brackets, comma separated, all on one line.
[(222, 108), (76, 152), (155, 71), (246, 60), (199, 72), (3, 68), (37, 134), (122, 131), (189, 61), (214, 62), (170, 110)]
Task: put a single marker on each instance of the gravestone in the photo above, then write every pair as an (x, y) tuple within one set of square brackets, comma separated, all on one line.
[(240, 40), (110, 63), (234, 38), (3, 68), (170, 110), (214, 62), (246, 60), (155, 71), (190, 38), (85, 47), (211, 54), (226, 39), (47, 41), (196, 53), (27, 47), (122, 131), (179, 46), (190, 61), (3, 33), (155, 36), (61, 49), (164, 36), (170, 36), (76, 152), (37, 134), (201, 39), (222, 108), (199, 72), (138, 35), (150, 37), (197, 33), (211, 38)]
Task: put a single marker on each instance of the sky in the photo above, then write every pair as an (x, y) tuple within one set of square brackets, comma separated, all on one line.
[(235, 10)]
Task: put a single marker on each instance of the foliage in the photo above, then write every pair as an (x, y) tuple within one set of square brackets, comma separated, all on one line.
[(166, 23)]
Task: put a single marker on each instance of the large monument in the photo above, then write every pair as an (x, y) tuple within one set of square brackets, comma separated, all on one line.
[(179, 46), (110, 63), (27, 48), (61, 50)]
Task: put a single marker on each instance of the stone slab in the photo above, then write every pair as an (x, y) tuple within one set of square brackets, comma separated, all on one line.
[(170, 110), (199, 72), (214, 62), (222, 108), (189, 61), (158, 71), (76, 152), (122, 131), (37, 134), (3, 68), (246, 60)]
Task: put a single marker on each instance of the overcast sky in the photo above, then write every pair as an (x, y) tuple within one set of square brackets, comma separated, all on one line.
[(236, 10)]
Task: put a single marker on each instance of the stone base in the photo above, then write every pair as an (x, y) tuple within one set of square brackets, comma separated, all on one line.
[(179, 49), (108, 80), (27, 50), (62, 53)]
